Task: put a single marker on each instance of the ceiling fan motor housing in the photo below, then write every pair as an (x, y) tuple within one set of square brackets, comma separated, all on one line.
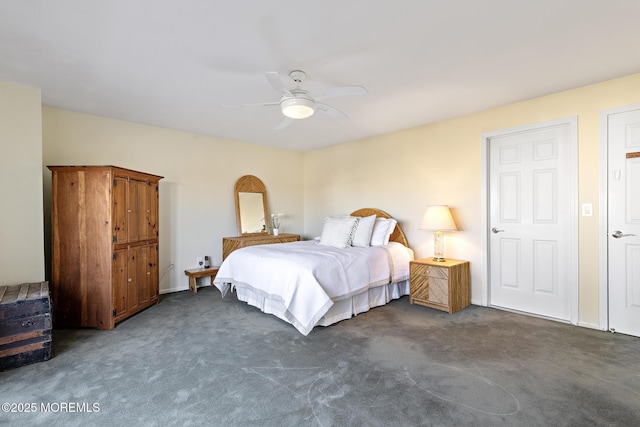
[(299, 106), (297, 76)]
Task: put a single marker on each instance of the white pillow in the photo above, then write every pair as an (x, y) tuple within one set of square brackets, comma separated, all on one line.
[(382, 231), (390, 230), (362, 235), (338, 231)]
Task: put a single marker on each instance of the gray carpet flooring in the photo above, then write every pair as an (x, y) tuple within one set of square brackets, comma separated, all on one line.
[(198, 359)]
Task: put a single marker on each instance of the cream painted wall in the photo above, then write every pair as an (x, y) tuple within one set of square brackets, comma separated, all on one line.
[(21, 234), (196, 196), (401, 173), (441, 163)]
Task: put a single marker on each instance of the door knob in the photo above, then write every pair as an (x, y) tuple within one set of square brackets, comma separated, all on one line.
[(618, 234), (497, 230)]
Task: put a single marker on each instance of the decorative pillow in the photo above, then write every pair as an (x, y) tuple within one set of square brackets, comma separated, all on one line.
[(392, 227), (338, 231), (364, 229), (382, 230)]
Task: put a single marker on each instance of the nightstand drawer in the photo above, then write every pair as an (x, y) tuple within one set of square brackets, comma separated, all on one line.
[(418, 282), (439, 290), (429, 283)]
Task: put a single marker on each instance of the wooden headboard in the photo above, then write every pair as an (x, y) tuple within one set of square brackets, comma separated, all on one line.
[(396, 236)]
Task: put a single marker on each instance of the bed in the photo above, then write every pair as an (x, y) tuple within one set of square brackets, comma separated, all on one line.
[(323, 281)]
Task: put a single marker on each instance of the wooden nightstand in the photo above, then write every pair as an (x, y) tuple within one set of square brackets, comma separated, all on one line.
[(440, 285)]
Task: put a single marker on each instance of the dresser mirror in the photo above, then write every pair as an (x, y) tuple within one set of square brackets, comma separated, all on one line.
[(251, 206)]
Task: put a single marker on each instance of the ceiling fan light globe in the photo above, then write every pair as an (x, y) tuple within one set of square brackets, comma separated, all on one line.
[(297, 108)]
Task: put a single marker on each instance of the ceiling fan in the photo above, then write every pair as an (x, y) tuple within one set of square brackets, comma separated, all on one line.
[(298, 103)]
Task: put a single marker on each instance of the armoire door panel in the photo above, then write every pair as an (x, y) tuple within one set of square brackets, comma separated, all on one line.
[(142, 217), (153, 211), (120, 231), (132, 211), (143, 274), (119, 283), (135, 256)]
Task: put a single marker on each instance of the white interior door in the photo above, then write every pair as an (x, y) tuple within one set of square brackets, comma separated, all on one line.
[(624, 221), (532, 212)]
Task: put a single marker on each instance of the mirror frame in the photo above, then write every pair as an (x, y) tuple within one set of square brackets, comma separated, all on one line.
[(250, 184)]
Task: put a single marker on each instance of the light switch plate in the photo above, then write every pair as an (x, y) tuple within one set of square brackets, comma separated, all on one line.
[(587, 209)]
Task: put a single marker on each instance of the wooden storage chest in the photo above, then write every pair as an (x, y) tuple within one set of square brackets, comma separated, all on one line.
[(25, 324)]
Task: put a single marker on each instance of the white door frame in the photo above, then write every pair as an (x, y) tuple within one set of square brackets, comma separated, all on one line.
[(603, 239), (573, 173)]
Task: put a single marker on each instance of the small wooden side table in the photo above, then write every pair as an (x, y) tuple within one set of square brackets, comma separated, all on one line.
[(440, 285), (196, 273)]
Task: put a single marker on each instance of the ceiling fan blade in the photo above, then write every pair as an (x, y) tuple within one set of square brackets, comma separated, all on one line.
[(256, 104), (332, 112), (275, 80), (285, 123), (339, 91)]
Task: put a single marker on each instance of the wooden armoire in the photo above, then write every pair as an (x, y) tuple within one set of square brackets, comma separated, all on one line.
[(104, 265)]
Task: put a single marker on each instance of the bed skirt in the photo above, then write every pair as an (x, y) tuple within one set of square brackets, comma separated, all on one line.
[(340, 310)]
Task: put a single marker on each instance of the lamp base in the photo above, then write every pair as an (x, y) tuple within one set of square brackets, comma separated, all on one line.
[(438, 246)]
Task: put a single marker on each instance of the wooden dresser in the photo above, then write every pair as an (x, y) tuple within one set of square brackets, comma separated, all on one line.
[(104, 222), (230, 244)]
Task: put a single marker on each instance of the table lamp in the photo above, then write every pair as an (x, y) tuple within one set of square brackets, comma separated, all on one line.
[(438, 218)]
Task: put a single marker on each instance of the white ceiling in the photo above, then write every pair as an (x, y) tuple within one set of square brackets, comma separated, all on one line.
[(175, 63)]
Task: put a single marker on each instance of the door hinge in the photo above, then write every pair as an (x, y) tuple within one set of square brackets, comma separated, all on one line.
[(115, 182), (115, 256), (114, 312), (115, 238)]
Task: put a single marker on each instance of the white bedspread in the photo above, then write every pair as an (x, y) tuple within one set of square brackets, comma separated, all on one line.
[(304, 279)]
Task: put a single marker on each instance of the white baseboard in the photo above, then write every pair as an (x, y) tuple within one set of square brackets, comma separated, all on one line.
[(173, 289), (179, 289), (591, 326)]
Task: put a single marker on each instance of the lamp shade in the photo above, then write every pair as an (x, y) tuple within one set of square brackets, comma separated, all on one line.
[(438, 218), (297, 108)]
